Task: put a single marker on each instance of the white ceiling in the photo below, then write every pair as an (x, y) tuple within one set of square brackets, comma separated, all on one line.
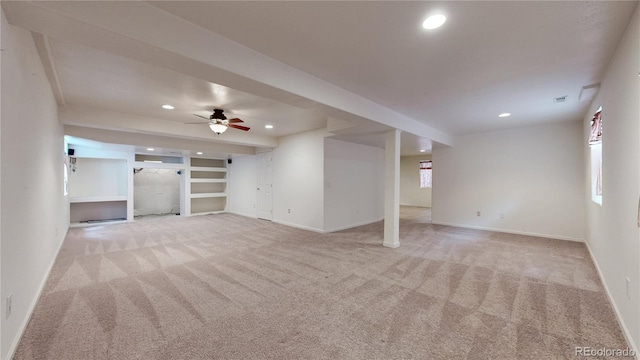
[(488, 58), (90, 77)]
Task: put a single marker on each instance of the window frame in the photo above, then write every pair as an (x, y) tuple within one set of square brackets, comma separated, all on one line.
[(425, 173), (595, 156)]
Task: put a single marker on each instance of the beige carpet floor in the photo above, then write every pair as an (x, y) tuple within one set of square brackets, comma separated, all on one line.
[(229, 287)]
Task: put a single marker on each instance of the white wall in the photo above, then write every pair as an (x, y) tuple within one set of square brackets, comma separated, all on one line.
[(612, 231), (3, 29), (98, 177), (34, 210), (298, 180), (353, 187), (113, 187), (410, 192), (243, 182), (156, 191), (327, 184), (532, 176)]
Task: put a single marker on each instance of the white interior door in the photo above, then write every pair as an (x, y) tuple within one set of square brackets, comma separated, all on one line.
[(265, 194)]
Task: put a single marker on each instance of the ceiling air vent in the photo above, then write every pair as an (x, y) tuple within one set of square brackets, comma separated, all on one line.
[(589, 92), (560, 99)]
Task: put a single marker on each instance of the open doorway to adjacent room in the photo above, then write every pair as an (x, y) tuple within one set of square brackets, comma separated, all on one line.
[(156, 192), (416, 174)]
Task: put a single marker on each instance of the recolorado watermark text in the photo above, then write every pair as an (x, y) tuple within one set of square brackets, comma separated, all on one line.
[(600, 352)]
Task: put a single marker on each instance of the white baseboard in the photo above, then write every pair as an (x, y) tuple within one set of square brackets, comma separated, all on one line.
[(548, 236), (207, 213), (391, 245), (623, 326), (83, 225), (34, 302), (362, 223), (253, 216), (303, 227)]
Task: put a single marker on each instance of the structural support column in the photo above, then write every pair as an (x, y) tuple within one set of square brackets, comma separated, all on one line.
[(392, 189)]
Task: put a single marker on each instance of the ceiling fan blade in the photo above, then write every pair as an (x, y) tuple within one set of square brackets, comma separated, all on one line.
[(235, 120), (202, 116), (239, 127)]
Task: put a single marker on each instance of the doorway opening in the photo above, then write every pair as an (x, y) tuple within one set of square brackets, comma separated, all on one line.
[(265, 186), (416, 185), (156, 192)]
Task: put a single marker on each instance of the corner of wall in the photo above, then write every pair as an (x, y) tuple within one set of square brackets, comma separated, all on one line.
[(28, 252), (612, 235)]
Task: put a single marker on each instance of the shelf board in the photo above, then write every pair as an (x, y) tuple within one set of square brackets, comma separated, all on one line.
[(204, 180), (154, 165), (97, 223), (90, 199), (208, 195), (208, 213), (206, 168)]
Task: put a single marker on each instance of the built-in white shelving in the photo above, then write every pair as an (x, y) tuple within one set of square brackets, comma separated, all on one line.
[(157, 165), (97, 191), (95, 199), (101, 189), (208, 169), (208, 195), (208, 180), (209, 213), (208, 186)]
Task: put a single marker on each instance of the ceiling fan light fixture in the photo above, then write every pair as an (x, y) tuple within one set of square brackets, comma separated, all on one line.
[(218, 128)]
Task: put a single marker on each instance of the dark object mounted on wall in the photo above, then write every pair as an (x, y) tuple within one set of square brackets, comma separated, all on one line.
[(72, 152), (219, 123), (228, 161)]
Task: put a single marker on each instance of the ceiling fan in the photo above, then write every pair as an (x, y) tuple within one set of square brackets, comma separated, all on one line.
[(219, 123)]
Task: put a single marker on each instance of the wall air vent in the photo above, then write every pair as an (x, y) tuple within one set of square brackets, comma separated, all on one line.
[(560, 99)]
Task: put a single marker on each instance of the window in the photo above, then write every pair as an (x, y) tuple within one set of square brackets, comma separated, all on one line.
[(595, 145), (425, 174), (595, 135), (66, 176)]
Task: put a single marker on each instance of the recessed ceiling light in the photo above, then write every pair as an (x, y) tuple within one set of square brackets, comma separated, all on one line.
[(423, 150), (504, 115), (168, 107), (434, 21), (199, 153), (150, 149), (268, 126)]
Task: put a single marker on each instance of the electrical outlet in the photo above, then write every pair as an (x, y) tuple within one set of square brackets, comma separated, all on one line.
[(501, 215), (478, 213), (289, 211), (628, 290), (8, 310)]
